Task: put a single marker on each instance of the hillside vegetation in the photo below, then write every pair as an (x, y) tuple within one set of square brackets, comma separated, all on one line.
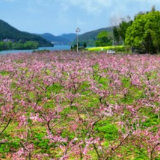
[(7, 32), (91, 37)]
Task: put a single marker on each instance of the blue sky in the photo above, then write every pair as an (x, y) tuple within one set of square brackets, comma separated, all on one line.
[(64, 16)]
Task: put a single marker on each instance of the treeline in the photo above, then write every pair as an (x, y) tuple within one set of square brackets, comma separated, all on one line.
[(18, 45), (142, 34)]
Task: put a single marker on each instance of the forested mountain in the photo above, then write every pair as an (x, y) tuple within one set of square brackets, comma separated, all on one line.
[(62, 39), (69, 36), (10, 33), (90, 37)]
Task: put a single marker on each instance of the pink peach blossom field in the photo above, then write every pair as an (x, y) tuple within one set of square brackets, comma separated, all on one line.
[(86, 106)]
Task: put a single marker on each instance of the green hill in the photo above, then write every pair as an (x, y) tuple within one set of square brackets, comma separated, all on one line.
[(7, 32), (70, 36), (90, 37), (10, 33)]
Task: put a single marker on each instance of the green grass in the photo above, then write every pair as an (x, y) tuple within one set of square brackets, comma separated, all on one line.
[(105, 48)]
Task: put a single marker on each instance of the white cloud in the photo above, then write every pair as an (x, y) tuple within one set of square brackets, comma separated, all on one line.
[(91, 6), (117, 6)]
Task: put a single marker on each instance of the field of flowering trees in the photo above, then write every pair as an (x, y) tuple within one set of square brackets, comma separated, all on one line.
[(87, 106)]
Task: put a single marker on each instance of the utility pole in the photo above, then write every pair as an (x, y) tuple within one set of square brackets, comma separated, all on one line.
[(77, 31)]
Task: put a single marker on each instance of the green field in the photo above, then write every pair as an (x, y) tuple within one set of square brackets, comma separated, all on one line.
[(105, 48)]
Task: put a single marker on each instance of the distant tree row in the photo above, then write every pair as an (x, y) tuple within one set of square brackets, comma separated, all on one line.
[(142, 34), (81, 46), (18, 45)]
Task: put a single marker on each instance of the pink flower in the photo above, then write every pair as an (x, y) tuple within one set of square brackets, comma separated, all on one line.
[(22, 120)]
